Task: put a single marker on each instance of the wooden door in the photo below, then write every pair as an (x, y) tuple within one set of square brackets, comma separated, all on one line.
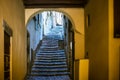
[(117, 18), (6, 56)]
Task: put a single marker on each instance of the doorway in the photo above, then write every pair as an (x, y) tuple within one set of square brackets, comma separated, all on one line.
[(6, 56), (7, 51)]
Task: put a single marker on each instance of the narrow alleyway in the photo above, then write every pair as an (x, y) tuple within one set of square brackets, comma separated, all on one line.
[(50, 62)]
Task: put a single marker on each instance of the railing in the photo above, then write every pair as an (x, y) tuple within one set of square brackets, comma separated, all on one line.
[(32, 57), (69, 57), (30, 60), (33, 53)]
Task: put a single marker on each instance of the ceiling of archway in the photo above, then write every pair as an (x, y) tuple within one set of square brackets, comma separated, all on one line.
[(54, 3)]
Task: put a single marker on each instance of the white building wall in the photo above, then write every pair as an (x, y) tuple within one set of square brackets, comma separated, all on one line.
[(31, 30), (35, 34)]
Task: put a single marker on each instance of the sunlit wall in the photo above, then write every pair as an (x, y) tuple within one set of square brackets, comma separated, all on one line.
[(13, 13), (101, 46)]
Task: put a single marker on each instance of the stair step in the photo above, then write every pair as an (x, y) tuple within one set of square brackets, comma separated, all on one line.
[(60, 53), (42, 51), (50, 43), (48, 47), (55, 51), (42, 60), (49, 73), (50, 53), (49, 63), (48, 58), (49, 70), (54, 62), (53, 66), (49, 39), (52, 77)]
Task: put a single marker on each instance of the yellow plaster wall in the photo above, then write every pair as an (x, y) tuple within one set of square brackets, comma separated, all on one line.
[(114, 48), (103, 49), (96, 39), (1, 48), (76, 15), (83, 69), (12, 11)]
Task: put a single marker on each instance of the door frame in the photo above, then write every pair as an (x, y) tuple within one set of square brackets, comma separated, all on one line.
[(9, 31)]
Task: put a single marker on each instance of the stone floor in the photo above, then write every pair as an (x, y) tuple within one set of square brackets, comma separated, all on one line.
[(65, 77)]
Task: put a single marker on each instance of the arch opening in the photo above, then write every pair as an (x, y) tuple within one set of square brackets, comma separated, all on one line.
[(55, 25), (55, 10)]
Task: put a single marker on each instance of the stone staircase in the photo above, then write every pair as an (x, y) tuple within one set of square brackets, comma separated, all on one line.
[(50, 61)]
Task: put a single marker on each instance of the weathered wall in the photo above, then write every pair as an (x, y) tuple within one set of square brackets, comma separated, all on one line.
[(12, 11), (76, 15), (96, 39)]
